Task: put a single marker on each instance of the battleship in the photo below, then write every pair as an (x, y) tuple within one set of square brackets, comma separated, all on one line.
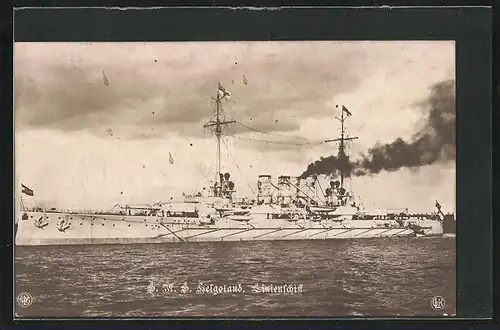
[(285, 208)]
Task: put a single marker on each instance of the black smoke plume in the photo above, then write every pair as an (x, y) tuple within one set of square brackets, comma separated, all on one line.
[(330, 165), (435, 142)]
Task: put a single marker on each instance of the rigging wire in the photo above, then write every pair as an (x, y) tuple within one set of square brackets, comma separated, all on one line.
[(236, 164), (307, 142), (277, 142), (226, 115), (269, 133), (320, 188), (205, 171)]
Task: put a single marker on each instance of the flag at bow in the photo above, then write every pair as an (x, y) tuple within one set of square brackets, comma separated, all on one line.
[(348, 113), (26, 190), (224, 93)]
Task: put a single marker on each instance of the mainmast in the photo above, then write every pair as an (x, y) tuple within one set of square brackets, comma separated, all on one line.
[(342, 140), (216, 124)]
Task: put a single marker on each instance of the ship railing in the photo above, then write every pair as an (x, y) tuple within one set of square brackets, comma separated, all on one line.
[(397, 211), (423, 216), (68, 211)]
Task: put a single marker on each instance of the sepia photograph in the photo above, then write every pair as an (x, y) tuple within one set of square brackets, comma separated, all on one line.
[(226, 179)]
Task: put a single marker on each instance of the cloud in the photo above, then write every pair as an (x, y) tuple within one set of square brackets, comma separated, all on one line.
[(60, 85)]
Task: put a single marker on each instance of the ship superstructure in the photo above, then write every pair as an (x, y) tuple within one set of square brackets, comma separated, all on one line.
[(283, 208)]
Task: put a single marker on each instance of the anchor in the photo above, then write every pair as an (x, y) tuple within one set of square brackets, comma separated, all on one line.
[(62, 225), (40, 223)]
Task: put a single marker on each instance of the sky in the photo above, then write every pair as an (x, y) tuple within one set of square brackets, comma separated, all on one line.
[(96, 123)]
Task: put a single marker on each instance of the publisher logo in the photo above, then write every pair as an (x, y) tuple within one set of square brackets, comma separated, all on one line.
[(438, 302), (24, 299)]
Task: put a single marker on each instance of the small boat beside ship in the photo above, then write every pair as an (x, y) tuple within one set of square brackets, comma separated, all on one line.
[(288, 208)]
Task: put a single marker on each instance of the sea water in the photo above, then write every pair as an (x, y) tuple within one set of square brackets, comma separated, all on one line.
[(363, 277)]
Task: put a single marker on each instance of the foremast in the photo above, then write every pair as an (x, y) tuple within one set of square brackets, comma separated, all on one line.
[(217, 124), (342, 139)]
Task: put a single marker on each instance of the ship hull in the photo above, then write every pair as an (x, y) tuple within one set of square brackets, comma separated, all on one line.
[(36, 228)]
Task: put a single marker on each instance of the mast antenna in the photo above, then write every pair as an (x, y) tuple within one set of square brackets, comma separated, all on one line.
[(216, 124), (344, 113)]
